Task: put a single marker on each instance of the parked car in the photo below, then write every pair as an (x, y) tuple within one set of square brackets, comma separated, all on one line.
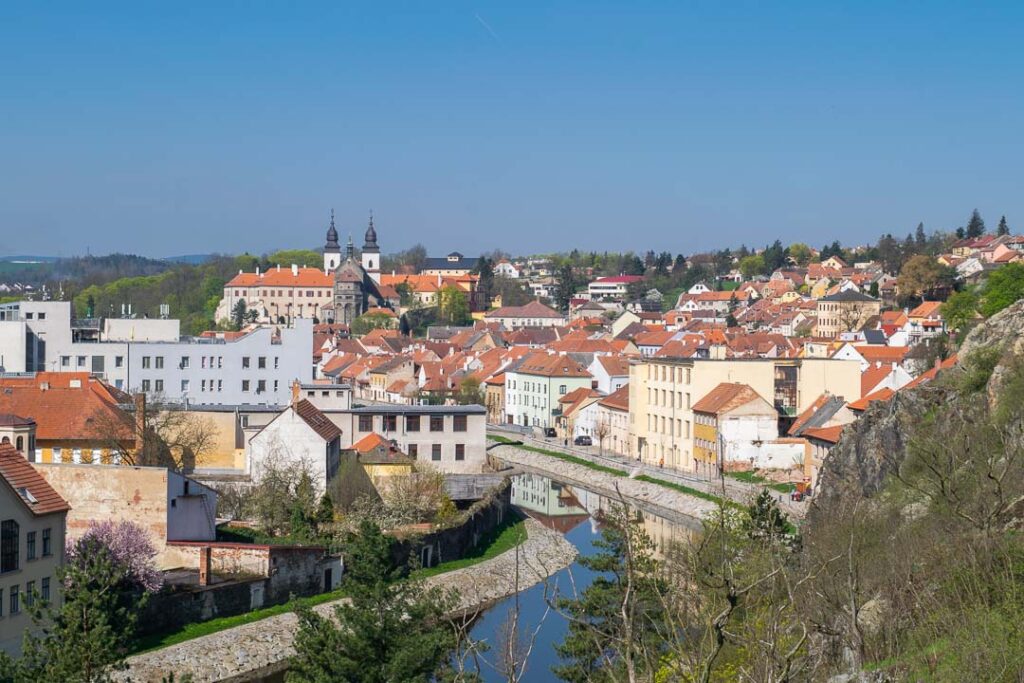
[(583, 440), (549, 432)]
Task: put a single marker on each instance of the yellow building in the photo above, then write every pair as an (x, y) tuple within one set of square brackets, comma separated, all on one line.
[(381, 460), (662, 391)]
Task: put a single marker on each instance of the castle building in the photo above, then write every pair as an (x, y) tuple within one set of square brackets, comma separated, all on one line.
[(344, 289)]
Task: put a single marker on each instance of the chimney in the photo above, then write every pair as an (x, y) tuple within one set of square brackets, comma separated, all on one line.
[(295, 270), (204, 565), (257, 270)]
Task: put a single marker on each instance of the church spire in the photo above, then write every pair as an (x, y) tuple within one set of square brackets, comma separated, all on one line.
[(370, 241), (332, 237), (350, 249)]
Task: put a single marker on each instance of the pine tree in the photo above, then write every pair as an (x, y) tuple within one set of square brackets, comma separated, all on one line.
[(975, 226), (920, 239), (391, 630), (324, 512), (1003, 228)]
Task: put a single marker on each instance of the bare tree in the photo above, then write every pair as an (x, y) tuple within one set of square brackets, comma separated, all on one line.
[(156, 432), (602, 430)]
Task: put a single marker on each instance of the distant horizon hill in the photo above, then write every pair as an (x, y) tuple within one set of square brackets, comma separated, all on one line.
[(190, 259)]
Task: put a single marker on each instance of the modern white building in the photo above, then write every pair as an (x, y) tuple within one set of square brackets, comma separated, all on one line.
[(616, 287), (255, 366)]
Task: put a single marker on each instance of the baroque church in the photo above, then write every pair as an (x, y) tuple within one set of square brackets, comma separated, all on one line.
[(356, 282)]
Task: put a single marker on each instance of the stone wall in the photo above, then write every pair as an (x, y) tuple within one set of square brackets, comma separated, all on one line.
[(172, 609), (456, 540)]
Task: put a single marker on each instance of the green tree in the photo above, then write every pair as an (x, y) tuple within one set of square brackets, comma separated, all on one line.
[(405, 298), (238, 314), (87, 637), (485, 269), (372, 321), (960, 309), (324, 513), (920, 238), (975, 226), (300, 257), (453, 307), (801, 253), (616, 627), (752, 266), (470, 392), (1003, 228), (922, 276), (393, 629), (565, 288), (774, 257), (1004, 287)]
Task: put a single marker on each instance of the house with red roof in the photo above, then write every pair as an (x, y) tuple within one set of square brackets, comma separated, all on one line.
[(300, 434), (32, 522)]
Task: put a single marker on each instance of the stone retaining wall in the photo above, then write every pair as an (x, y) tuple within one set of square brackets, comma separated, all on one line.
[(266, 645)]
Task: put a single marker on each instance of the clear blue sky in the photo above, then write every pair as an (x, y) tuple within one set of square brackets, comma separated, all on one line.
[(171, 128)]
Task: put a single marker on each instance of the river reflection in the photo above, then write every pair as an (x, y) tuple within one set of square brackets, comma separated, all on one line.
[(575, 512)]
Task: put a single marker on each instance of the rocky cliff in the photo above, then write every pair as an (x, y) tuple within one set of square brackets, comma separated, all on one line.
[(875, 446)]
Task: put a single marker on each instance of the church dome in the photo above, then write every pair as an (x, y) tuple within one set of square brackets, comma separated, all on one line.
[(370, 240), (332, 237)]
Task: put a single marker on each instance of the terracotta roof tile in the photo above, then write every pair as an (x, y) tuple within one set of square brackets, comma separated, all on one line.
[(19, 474), (319, 422), (725, 397)]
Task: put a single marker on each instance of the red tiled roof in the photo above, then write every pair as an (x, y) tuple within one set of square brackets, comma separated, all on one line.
[(552, 365), (829, 434), (319, 422), (534, 309), (19, 474), (283, 277), (68, 406), (725, 397), (880, 395), (618, 399)]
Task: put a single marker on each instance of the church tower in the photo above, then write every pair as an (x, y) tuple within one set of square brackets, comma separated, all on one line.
[(332, 250), (371, 253)]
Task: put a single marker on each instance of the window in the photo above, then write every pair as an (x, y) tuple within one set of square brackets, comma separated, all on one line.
[(8, 545), (366, 423), (40, 316), (30, 588), (185, 362), (277, 362), (220, 385), (435, 451), (44, 591), (145, 362), (459, 423), (145, 385), (261, 362), (202, 385), (81, 361), (28, 316), (245, 361), (390, 423), (65, 361), (437, 423), (159, 362), (245, 385), (30, 545), (561, 389), (1, 602), (47, 548), (57, 455), (220, 362), (275, 386), (118, 361), (261, 386), (158, 385), (414, 450), (184, 386), (15, 607), (412, 423), (460, 451)]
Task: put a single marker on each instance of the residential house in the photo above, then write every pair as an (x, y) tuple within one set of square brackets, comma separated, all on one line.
[(32, 527), (845, 311), (300, 434), (533, 314), (610, 372), (534, 385), (731, 423)]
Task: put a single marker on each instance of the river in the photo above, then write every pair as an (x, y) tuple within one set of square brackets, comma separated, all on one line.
[(574, 512)]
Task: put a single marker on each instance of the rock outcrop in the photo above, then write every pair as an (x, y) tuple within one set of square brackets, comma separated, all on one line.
[(875, 446)]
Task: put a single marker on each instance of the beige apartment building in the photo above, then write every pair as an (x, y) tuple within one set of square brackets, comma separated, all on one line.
[(845, 311), (663, 390)]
